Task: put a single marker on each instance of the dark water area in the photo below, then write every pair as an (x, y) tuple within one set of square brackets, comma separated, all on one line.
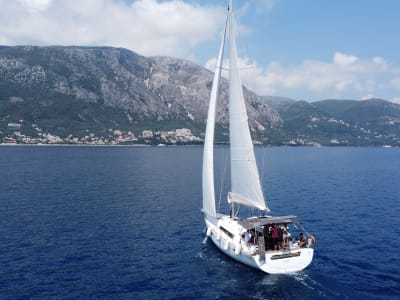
[(125, 223)]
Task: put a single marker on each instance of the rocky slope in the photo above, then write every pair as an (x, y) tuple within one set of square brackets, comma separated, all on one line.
[(154, 88)]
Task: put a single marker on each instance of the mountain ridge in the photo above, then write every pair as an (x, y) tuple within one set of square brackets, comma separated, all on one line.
[(342, 122), (90, 93)]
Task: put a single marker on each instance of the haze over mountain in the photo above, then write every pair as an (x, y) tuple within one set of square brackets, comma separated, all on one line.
[(97, 91)]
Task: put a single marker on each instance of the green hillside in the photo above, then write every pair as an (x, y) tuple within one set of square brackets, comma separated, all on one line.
[(342, 122)]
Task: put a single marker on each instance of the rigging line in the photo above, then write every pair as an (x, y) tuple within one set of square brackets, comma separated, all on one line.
[(243, 51), (217, 67), (243, 45), (247, 68), (237, 211), (227, 68), (249, 212)]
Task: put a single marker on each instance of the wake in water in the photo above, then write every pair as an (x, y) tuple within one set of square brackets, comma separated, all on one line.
[(308, 282), (305, 280), (298, 285)]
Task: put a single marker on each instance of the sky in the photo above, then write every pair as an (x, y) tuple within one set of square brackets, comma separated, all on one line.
[(303, 49)]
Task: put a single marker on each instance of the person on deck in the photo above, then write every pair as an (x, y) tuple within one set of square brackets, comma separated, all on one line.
[(246, 237), (275, 236), (286, 237), (268, 237), (302, 240)]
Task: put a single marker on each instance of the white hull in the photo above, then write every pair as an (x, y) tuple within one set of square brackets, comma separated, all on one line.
[(275, 262)]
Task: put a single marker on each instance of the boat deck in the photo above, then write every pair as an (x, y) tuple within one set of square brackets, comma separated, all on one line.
[(261, 221)]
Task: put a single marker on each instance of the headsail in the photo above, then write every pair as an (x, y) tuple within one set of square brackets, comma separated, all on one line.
[(245, 180), (208, 156)]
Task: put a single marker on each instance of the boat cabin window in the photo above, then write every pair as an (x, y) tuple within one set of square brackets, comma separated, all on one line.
[(227, 232)]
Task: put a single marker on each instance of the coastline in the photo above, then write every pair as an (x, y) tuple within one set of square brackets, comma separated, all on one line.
[(192, 145), (74, 145)]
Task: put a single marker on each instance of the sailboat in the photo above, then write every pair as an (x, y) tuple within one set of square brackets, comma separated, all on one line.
[(261, 241)]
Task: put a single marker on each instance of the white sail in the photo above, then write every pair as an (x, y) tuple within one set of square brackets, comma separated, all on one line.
[(208, 156), (245, 180)]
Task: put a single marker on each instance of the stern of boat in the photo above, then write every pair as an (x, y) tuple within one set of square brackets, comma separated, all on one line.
[(279, 262)]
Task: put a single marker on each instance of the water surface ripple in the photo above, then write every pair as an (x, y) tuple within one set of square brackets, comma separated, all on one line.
[(125, 223)]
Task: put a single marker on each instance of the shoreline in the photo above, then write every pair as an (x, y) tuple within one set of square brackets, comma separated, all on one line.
[(194, 145), (74, 145)]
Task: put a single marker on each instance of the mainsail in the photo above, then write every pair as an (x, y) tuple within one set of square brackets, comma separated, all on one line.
[(245, 180)]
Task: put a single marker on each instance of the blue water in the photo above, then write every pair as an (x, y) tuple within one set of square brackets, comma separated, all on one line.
[(125, 223)]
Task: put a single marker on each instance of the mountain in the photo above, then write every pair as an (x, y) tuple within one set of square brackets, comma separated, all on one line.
[(342, 122), (104, 95), (277, 102), (93, 91)]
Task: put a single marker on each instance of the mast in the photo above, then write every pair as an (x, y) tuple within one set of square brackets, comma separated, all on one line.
[(245, 180)]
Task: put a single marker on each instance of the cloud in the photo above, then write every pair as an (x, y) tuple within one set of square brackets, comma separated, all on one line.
[(149, 27), (395, 100), (344, 75), (344, 59), (35, 5), (369, 96)]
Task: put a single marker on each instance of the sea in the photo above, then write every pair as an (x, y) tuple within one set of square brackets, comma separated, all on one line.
[(85, 222)]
